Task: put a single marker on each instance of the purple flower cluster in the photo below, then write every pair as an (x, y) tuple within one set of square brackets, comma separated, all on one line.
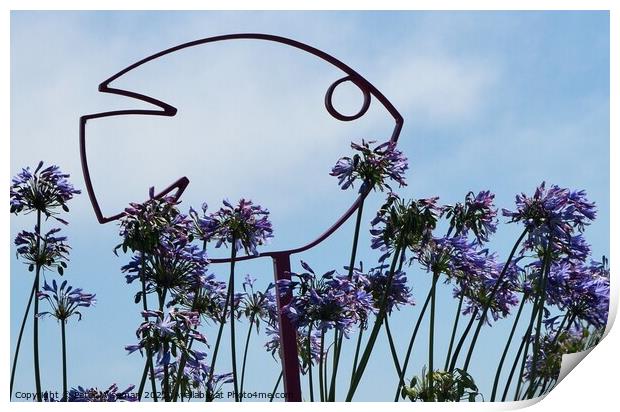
[(404, 225), (373, 166), (48, 251), (175, 266), (325, 302), (305, 357), (44, 190), (196, 376), (477, 214), (246, 225), (112, 394), (65, 301), (474, 272), (165, 335), (555, 213), (153, 224), (257, 305), (375, 283), (581, 290)]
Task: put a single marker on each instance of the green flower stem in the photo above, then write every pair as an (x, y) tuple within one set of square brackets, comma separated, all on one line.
[(500, 366), (524, 341), (462, 340), (455, 326), (414, 334), (149, 353), (431, 333), (321, 386), (183, 361), (65, 391), (339, 335), (37, 371), (233, 343), (218, 340), (541, 309), (275, 388), (357, 352), (530, 327), (485, 309), (19, 338), (165, 385), (245, 351), (310, 363), (392, 346), (377, 326)]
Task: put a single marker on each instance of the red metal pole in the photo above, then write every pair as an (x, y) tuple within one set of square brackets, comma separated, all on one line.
[(288, 334)]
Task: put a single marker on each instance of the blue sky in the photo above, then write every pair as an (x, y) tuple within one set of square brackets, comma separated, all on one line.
[(497, 100)]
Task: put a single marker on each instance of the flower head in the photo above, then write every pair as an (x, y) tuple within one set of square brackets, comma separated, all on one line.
[(477, 214), (375, 283), (65, 301), (555, 213), (44, 190), (112, 394), (326, 301), (404, 224), (246, 225), (49, 251), (373, 166)]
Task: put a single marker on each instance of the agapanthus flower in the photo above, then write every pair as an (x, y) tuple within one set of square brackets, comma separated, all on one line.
[(165, 335), (404, 224), (155, 223), (211, 299), (581, 290), (246, 225), (555, 213), (112, 394), (43, 190), (196, 377), (314, 355), (474, 272), (49, 251), (254, 304), (65, 301), (448, 386), (552, 347), (373, 166), (375, 283), (172, 265), (477, 214), (326, 301)]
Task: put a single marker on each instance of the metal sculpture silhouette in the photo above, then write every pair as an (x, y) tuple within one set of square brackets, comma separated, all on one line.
[(281, 259)]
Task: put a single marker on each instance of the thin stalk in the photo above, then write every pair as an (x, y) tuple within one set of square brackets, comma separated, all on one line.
[(462, 340), (392, 346), (541, 309), (37, 371), (218, 340), (321, 386), (65, 392), (165, 385), (233, 346), (455, 326), (149, 353), (414, 334), (245, 351), (506, 348), (522, 346), (183, 361), (486, 306), (376, 328), (310, 363), (357, 352), (527, 346), (19, 338), (275, 388), (338, 340), (431, 333)]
